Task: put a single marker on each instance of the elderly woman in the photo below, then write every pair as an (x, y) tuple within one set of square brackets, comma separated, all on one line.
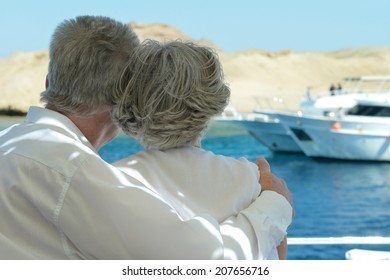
[(167, 95)]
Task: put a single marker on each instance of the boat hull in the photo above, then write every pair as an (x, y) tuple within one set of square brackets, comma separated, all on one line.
[(347, 139), (273, 135)]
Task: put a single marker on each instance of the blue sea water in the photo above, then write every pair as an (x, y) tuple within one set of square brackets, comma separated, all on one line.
[(332, 198)]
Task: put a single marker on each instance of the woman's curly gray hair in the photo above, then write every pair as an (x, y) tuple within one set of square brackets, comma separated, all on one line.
[(168, 93)]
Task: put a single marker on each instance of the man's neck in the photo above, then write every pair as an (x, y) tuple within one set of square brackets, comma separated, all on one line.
[(99, 128)]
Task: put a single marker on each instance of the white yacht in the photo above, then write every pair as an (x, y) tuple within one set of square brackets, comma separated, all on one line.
[(361, 132), (350, 123), (266, 128)]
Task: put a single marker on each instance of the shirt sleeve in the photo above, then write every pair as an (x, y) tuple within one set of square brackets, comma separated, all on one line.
[(255, 231), (106, 214)]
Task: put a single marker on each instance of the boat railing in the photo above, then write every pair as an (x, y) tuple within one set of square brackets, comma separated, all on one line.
[(359, 240), (351, 254), (374, 84), (275, 103)]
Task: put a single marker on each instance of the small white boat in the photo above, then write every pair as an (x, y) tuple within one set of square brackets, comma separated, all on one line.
[(272, 134), (266, 128)]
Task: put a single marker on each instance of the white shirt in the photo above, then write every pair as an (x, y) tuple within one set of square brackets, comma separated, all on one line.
[(60, 200), (195, 181)]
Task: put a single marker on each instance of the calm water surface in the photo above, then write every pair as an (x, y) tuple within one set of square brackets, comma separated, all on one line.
[(332, 198)]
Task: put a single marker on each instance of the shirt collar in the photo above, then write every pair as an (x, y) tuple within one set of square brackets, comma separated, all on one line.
[(49, 117)]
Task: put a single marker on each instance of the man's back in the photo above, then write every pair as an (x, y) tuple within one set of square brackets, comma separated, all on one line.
[(60, 200), (34, 176)]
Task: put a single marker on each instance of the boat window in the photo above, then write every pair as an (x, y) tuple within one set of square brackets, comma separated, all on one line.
[(368, 110), (301, 134)]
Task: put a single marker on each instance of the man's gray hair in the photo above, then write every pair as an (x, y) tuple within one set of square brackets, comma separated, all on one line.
[(168, 93), (87, 55)]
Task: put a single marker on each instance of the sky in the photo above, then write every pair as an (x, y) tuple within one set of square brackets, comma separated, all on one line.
[(270, 25)]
